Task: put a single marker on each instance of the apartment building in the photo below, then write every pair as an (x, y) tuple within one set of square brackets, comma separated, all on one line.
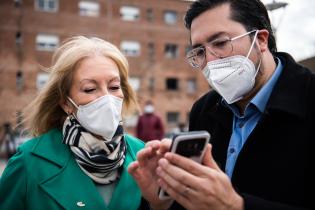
[(150, 33)]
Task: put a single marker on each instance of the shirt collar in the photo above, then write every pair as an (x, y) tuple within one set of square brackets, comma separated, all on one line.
[(261, 98)]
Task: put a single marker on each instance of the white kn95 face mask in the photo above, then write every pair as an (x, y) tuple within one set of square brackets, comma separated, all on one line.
[(101, 116), (232, 77)]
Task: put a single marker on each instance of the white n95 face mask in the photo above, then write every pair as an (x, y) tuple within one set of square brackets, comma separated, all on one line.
[(232, 77), (148, 109), (101, 116)]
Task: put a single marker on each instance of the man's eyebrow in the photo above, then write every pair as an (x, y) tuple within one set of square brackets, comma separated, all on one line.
[(210, 38)]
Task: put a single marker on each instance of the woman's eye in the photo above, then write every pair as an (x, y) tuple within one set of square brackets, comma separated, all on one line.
[(114, 87), (89, 90)]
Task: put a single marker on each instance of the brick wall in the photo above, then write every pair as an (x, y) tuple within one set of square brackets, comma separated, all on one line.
[(67, 22)]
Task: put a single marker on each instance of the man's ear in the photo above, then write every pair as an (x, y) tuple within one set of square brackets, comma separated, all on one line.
[(262, 38), (66, 106)]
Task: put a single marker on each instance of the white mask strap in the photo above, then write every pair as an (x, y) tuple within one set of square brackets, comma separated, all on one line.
[(258, 68), (72, 102), (251, 47)]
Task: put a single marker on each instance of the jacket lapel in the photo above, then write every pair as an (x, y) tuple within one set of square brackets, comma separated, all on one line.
[(289, 96), (67, 185), (290, 92), (221, 129)]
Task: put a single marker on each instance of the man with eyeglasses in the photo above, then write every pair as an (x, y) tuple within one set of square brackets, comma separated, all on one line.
[(260, 114)]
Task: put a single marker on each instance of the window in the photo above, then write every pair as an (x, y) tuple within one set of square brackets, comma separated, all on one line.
[(150, 16), (130, 48), (18, 38), (41, 80), (172, 117), (46, 5), (172, 84), (17, 3), (129, 13), (19, 80), (151, 84), (47, 42), (191, 86), (170, 17), (89, 8), (135, 83), (151, 50), (171, 51)]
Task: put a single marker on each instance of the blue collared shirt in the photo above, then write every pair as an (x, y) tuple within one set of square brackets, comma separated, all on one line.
[(243, 125)]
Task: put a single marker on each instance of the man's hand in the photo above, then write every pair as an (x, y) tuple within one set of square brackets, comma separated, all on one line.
[(197, 186)]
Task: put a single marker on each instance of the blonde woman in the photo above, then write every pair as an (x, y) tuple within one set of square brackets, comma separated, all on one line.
[(80, 154)]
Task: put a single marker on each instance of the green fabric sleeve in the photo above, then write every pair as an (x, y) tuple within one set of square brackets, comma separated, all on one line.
[(13, 184)]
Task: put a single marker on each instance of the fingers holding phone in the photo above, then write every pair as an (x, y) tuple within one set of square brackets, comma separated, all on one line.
[(196, 186), (188, 144)]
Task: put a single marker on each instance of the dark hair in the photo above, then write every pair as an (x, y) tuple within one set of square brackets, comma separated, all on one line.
[(252, 14)]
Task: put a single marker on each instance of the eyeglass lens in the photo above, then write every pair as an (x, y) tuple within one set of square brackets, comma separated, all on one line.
[(219, 48)]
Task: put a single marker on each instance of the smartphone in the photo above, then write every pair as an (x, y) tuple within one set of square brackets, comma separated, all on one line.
[(188, 144)]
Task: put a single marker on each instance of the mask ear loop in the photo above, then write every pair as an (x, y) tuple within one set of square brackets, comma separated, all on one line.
[(74, 104), (250, 50), (251, 47), (257, 70), (247, 56), (255, 37)]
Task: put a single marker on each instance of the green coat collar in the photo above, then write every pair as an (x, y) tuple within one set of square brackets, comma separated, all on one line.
[(72, 189)]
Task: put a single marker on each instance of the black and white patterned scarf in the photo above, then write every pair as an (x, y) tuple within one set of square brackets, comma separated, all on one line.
[(100, 159)]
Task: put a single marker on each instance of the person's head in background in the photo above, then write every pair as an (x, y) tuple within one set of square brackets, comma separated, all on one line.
[(7, 127), (148, 107), (227, 29), (83, 70)]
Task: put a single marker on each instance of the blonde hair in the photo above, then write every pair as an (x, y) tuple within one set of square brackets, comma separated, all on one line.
[(45, 112)]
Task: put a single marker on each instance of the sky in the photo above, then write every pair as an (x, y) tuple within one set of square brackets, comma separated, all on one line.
[(295, 27)]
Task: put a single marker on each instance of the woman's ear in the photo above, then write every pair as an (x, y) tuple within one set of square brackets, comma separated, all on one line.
[(262, 38), (66, 106)]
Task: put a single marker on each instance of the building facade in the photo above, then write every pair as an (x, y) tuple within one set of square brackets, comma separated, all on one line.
[(150, 33), (309, 63)]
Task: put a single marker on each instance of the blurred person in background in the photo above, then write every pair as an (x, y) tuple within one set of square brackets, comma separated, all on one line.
[(80, 153), (149, 125), (260, 115), (8, 142)]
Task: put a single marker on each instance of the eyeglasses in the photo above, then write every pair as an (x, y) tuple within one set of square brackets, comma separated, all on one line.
[(221, 48)]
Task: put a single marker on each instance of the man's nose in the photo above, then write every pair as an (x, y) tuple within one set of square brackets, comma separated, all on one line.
[(209, 56)]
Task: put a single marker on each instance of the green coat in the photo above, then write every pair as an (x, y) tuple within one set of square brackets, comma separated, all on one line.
[(44, 175)]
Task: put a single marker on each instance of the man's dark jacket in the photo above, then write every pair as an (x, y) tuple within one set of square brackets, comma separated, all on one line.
[(275, 168)]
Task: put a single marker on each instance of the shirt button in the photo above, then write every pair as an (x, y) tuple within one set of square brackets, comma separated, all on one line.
[(232, 150)]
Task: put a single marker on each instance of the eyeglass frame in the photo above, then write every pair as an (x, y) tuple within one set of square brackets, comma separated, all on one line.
[(206, 46)]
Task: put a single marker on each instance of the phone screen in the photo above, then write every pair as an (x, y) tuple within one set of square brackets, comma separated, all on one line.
[(192, 147)]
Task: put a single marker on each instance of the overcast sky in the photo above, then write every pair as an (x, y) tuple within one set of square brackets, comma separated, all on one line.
[(295, 27)]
